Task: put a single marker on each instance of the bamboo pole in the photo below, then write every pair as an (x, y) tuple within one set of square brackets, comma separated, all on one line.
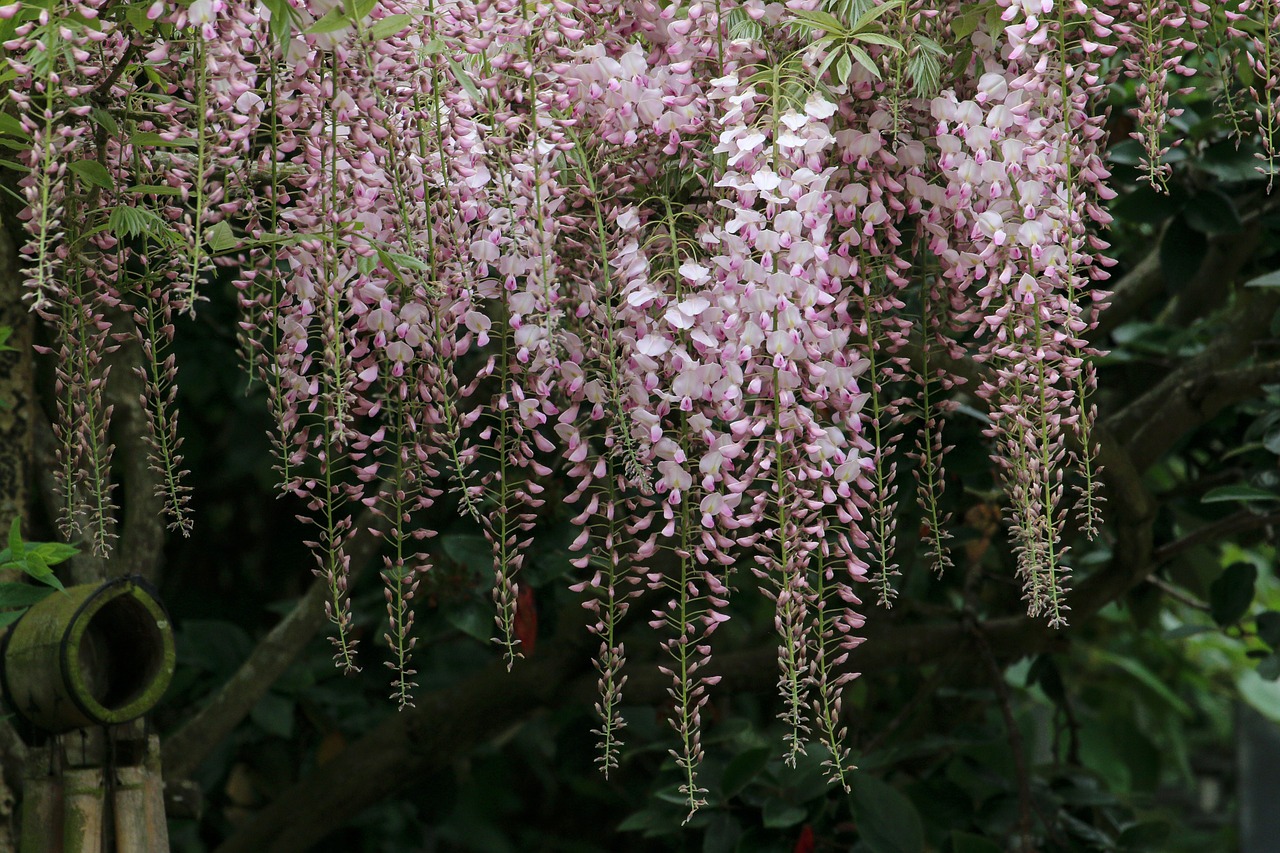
[(153, 788), (84, 790), (41, 815), (130, 812)]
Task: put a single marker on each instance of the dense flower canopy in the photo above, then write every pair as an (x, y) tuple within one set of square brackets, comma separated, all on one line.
[(704, 262)]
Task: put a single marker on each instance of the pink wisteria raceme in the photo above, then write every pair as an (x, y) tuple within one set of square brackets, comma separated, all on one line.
[(678, 263)]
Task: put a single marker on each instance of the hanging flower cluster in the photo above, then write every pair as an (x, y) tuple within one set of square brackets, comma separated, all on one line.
[(687, 257)]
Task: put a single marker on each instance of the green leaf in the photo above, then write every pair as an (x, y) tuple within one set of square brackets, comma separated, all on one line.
[(863, 59), (965, 842), (274, 715), (1213, 212), (220, 238), (1145, 836), (875, 13), (817, 20), (9, 617), (1238, 493), (154, 189), (149, 139), (283, 18), (1148, 679), (877, 38), (22, 594), (1231, 162), (54, 553), (16, 547), (473, 619), (844, 67), (1269, 667), (1184, 631), (1269, 628), (464, 79), (93, 173), (136, 15), (11, 126), (1263, 695), (744, 767), (1231, 593), (1271, 279), (722, 835), (779, 814), (334, 20), (106, 121), (389, 26), (1181, 252), (966, 23), (887, 821)]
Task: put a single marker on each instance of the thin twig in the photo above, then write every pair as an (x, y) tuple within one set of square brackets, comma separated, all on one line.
[(1240, 522)]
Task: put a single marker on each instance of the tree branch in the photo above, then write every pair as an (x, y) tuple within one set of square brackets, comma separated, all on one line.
[(186, 748), (450, 722)]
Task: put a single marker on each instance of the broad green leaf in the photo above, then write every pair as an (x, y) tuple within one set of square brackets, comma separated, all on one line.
[(744, 767), (1269, 628), (887, 821), (877, 38), (389, 26), (723, 834), (93, 173), (779, 814), (966, 23), (333, 20), (54, 553), (274, 715), (844, 67), (473, 619), (9, 617), (16, 546), (22, 594), (136, 15), (1263, 695), (1213, 212), (358, 10), (820, 21), (875, 13), (1145, 836), (1148, 679), (1238, 493), (1231, 593), (1271, 279), (1269, 667), (1182, 250), (282, 19), (964, 842), (464, 79), (106, 121), (220, 238), (863, 59), (149, 139), (13, 127), (154, 189), (1184, 631)]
